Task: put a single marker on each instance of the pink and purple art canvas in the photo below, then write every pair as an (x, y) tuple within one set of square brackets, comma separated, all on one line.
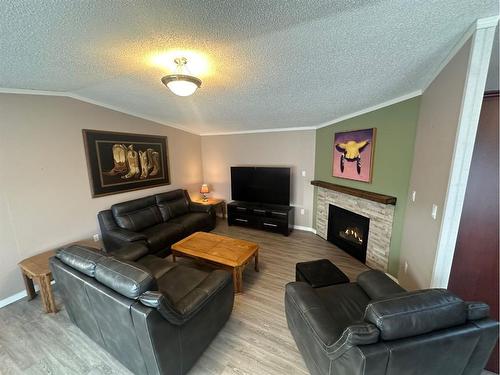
[(353, 154)]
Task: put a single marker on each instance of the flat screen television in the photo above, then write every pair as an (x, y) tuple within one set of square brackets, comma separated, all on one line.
[(268, 185)]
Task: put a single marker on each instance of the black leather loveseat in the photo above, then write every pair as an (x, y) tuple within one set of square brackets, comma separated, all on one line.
[(160, 220), (375, 327), (154, 316)]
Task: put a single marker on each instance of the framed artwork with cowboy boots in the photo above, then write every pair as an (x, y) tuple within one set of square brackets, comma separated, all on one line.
[(119, 162), (353, 153)]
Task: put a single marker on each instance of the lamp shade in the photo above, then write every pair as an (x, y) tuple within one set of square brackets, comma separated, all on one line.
[(181, 85), (204, 189)]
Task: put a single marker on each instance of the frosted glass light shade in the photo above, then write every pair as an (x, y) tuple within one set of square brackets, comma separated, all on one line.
[(181, 84)]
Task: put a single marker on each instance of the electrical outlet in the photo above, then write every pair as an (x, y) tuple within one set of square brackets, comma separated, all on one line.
[(96, 237), (406, 266), (302, 211), (434, 211), (303, 173), (413, 195)]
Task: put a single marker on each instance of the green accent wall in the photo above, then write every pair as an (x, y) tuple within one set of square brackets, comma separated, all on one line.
[(396, 127)]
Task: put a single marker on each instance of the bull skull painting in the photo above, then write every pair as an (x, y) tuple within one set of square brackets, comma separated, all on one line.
[(353, 154), (351, 151)]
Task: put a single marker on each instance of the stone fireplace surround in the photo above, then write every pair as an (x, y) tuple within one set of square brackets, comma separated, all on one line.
[(378, 208)]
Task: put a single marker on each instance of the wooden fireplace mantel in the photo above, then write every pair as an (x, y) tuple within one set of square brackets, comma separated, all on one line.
[(375, 197)]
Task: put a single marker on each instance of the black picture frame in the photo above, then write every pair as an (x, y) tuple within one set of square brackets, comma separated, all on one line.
[(120, 162)]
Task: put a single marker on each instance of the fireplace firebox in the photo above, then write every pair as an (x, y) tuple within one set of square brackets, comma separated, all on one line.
[(349, 231)]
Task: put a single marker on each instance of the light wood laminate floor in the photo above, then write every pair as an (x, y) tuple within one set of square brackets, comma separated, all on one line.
[(254, 341)]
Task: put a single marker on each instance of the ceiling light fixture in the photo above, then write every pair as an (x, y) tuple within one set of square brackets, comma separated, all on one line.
[(181, 84)]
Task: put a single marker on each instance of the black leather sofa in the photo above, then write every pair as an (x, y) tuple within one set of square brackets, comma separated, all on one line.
[(154, 316), (160, 220), (375, 327)]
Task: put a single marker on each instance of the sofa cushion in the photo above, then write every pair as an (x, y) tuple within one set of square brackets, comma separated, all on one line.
[(377, 284), (179, 281), (163, 235), (137, 214), (127, 278), (346, 303), (415, 313), (172, 204), (156, 265), (81, 258), (193, 221)]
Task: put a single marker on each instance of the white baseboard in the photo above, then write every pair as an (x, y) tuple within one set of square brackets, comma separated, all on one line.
[(13, 298), (18, 296), (307, 229)]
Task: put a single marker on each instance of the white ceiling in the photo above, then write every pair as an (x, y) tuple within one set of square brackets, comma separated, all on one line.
[(274, 64)]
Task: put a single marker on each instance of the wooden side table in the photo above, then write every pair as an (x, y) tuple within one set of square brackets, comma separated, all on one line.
[(216, 203), (36, 269)]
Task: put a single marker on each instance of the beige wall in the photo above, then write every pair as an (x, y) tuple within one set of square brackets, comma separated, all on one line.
[(45, 196), (293, 149), (440, 109)]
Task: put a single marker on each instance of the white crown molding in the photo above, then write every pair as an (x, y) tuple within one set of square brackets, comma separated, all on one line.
[(8, 90), (327, 123), (131, 113), (67, 94), (271, 130), (481, 23), (173, 125), (371, 109), (484, 23)]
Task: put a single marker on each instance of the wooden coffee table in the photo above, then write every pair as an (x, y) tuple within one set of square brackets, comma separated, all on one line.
[(226, 252)]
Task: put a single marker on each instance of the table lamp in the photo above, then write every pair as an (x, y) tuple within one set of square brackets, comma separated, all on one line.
[(204, 191)]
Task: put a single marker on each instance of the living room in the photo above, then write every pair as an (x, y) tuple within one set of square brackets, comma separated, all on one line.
[(296, 114)]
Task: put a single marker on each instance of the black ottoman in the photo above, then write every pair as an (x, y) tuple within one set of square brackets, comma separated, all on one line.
[(319, 273)]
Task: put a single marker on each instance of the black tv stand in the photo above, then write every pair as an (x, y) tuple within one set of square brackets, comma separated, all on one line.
[(270, 217)]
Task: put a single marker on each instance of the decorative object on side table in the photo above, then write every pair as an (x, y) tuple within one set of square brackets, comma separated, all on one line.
[(204, 191), (353, 153), (119, 162), (36, 269)]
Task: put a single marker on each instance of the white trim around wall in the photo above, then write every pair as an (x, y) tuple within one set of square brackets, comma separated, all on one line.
[(18, 296), (13, 298), (399, 99), (475, 82), (180, 127), (67, 94), (306, 229)]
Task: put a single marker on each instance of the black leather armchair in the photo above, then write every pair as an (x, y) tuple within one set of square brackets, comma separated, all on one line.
[(375, 327), (158, 220), (154, 316)]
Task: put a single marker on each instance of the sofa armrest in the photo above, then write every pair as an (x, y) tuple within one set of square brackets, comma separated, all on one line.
[(477, 310), (131, 251), (126, 235), (198, 207), (311, 312), (192, 303), (377, 284)]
